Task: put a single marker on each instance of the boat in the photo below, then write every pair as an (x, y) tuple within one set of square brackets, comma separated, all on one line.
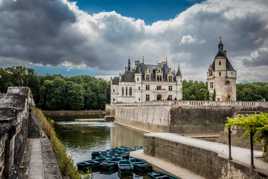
[(89, 164), (95, 154), (159, 175), (100, 159), (140, 166), (125, 167), (108, 165)]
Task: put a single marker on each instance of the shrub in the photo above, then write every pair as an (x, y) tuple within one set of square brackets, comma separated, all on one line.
[(65, 163)]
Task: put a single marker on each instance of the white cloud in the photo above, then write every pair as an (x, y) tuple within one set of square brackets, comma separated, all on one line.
[(105, 40)]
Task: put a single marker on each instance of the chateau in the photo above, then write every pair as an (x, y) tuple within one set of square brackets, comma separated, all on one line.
[(221, 77), (146, 82)]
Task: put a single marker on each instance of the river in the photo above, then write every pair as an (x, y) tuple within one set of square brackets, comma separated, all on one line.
[(81, 138)]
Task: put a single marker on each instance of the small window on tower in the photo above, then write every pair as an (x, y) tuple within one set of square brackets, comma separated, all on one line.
[(219, 63), (211, 84), (219, 73)]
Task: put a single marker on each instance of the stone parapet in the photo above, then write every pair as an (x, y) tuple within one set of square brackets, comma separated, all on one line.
[(14, 116), (207, 159)]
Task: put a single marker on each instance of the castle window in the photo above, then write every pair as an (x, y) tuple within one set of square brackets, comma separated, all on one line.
[(219, 73), (138, 79), (126, 91), (219, 63), (169, 97), (113, 90), (147, 97), (159, 97), (147, 77), (170, 88), (130, 91), (139, 88), (210, 73), (147, 87), (211, 85), (113, 99), (227, 82), (158, 87), (122, 91), (170, 78)]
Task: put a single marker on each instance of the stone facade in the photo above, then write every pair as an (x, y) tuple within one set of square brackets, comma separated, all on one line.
[(221, 77), (145, 83)]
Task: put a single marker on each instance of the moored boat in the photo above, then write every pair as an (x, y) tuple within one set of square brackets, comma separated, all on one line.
[(159, 175), (125, 167)]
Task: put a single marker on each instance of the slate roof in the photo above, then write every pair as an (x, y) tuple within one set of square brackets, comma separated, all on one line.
[(141, 67), (222, 53)]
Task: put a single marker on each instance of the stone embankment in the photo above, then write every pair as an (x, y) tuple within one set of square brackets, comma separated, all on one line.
[(183, 117), (24, 151), (207, 159), (70, 115)]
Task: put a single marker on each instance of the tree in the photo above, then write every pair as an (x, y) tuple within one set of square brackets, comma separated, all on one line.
[(74, 96), (255, 123)]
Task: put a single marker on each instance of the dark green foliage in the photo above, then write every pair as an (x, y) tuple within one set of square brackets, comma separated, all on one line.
[(194, 90), (252, 91), (57, 92)]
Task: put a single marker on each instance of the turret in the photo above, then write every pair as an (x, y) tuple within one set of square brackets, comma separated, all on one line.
[(221, 77)]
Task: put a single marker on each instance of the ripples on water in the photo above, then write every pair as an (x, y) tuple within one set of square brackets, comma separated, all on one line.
[(81, 138)]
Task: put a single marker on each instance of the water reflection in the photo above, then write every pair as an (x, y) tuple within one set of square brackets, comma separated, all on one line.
[(81, 138)]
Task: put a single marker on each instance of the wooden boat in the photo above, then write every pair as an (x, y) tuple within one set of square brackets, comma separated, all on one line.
[(89, 164), (159, 175), (108, 166), (140, 166), (125, 167)]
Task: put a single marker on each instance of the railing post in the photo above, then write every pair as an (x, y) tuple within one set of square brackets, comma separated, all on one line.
[(251, 150), (230, 143)]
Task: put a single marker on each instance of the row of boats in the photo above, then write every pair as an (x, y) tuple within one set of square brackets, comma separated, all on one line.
[(118, 160)]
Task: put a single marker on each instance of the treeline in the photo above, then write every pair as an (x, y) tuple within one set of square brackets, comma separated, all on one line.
[(256, 91), (55, 92)]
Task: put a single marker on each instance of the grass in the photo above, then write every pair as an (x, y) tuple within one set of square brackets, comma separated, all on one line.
[(65, 163)]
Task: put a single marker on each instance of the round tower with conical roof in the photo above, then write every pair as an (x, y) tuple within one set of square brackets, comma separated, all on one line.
[(221, 77)]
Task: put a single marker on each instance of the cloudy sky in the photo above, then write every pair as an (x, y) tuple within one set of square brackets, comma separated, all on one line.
[(98, 36)]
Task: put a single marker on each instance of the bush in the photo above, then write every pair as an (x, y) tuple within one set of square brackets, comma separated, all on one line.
[(65, 163)]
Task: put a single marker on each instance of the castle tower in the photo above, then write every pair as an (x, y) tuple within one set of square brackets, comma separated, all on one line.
[(221, 77)]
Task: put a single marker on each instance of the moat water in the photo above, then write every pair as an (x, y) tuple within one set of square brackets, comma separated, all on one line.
[(81, 138)]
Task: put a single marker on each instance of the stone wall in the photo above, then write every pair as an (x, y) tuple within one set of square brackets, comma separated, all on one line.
[(190, 117), (199, 160), (14, 114), (199, 120), (148, 117)]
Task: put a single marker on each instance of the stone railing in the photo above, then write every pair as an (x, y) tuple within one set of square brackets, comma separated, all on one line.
[(14, 114), (224, 104), (240, 104)]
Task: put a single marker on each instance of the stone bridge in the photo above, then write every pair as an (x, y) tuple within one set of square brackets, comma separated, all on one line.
[(21, 154)]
